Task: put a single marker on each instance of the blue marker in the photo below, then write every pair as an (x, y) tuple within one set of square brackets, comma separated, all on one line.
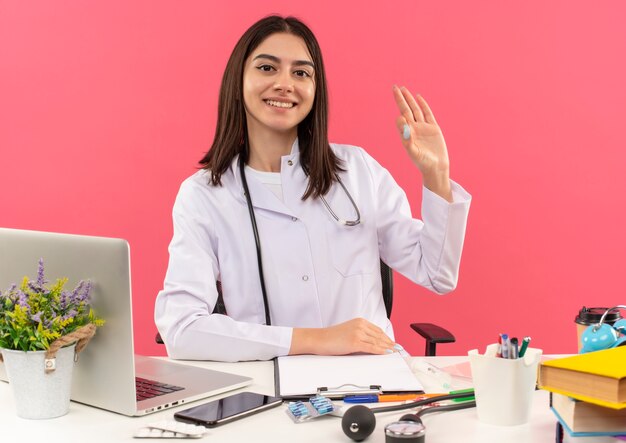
[(361, 399)]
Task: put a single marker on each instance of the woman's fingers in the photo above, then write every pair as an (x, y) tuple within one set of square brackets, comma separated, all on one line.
[(412, 108), (377, 334), (415, 108), (361, 336), (429, 117), (403, 105), (370, 338)]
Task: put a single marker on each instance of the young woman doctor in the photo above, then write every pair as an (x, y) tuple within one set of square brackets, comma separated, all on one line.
[(325, 214)]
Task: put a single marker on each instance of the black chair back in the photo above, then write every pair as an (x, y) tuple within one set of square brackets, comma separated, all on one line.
[(386, 275)]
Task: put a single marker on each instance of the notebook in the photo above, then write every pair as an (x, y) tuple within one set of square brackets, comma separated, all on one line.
[(107, 370)]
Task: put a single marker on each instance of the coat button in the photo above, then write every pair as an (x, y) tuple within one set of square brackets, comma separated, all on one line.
[(290, 163), (305, 277)]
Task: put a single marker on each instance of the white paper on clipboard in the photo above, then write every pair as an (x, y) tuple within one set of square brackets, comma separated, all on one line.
[(304, 375)]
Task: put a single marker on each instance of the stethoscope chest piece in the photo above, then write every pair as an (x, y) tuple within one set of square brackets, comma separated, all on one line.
[(405, 431)]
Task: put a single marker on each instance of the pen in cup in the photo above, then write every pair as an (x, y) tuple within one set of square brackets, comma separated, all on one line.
[(514, 351), (505, 345), (525, 342)]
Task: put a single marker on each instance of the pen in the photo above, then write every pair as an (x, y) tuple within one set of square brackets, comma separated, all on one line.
[(396, 397), (361, 399), (470, 391), (378, 398), (525, 343), (505, 346), (514, 352)]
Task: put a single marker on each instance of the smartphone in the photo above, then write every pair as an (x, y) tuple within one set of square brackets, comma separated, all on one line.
[(227, 409)]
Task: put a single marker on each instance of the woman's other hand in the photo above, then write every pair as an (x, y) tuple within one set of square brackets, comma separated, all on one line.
[(356, 335)]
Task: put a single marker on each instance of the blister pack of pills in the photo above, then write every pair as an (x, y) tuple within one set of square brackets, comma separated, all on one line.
[(300, 411), (170, 429)]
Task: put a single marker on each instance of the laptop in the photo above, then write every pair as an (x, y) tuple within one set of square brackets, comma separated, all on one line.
[(108, 374)]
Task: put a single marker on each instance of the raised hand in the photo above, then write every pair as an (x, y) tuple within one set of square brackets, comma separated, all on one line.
[(423, 140)]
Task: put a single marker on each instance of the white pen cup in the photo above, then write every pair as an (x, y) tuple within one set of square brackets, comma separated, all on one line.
[(504, 388)]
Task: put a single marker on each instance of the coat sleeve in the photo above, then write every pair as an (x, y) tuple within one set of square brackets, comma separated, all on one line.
[(427, 251), (183, 309)]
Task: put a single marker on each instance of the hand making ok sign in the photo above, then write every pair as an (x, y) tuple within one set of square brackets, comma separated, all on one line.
[(423, 140)]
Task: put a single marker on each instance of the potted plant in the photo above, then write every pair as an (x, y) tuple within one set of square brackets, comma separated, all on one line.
[(42, 328)]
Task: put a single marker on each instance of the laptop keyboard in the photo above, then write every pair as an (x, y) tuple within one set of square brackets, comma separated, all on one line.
[(146, 389)]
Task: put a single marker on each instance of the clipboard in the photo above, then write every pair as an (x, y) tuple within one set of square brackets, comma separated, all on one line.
[(299, 377)]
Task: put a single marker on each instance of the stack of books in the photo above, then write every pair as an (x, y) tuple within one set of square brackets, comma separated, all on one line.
[(588, 391)]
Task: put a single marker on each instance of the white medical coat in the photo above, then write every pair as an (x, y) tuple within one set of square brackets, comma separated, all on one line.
[(318, 273)]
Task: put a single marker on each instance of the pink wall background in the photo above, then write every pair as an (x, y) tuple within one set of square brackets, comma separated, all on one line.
[(105, 107)]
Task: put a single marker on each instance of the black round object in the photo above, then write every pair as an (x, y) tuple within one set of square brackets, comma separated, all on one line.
[(410, 417), (358, 422), (589, 316)]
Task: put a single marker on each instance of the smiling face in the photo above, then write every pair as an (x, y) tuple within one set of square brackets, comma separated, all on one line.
[(278, 85)]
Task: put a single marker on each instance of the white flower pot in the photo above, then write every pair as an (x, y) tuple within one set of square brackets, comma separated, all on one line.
[(39, 394)]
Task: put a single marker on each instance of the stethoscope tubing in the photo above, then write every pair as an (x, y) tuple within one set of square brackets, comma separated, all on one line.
[(257, 241), (426, 401)]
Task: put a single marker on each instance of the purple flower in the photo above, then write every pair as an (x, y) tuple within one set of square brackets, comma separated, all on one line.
[(40, 274), (21, 299), (70, 314), (37, 317), (34, 286), (86, 291), (75, 295), (63, 299)]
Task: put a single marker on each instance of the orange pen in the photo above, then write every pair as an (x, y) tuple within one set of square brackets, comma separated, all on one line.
[(398, 397), (375, 398)]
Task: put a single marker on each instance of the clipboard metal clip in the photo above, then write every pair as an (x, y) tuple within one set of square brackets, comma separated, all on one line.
[(348, 389)]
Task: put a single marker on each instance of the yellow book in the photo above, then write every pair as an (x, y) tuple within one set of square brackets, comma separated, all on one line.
[(596, 377)]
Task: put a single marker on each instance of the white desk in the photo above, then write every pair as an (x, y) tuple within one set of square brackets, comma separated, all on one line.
[(91, 425)]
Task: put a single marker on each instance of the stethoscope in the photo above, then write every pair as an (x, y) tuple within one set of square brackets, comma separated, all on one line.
[(359, 422), (255, 229)]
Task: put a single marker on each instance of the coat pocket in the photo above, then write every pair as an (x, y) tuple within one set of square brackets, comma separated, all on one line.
[(353, 250)]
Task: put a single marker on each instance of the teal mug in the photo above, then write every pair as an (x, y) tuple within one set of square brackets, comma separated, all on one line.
[(600, 328)]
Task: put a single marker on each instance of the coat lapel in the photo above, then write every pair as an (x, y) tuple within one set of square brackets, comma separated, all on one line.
[(293, 181)]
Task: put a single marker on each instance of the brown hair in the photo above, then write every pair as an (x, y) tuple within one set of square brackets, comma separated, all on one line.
[(316, 157)]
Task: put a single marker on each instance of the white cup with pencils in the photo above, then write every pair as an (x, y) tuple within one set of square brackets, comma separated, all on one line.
[(504, 387)]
